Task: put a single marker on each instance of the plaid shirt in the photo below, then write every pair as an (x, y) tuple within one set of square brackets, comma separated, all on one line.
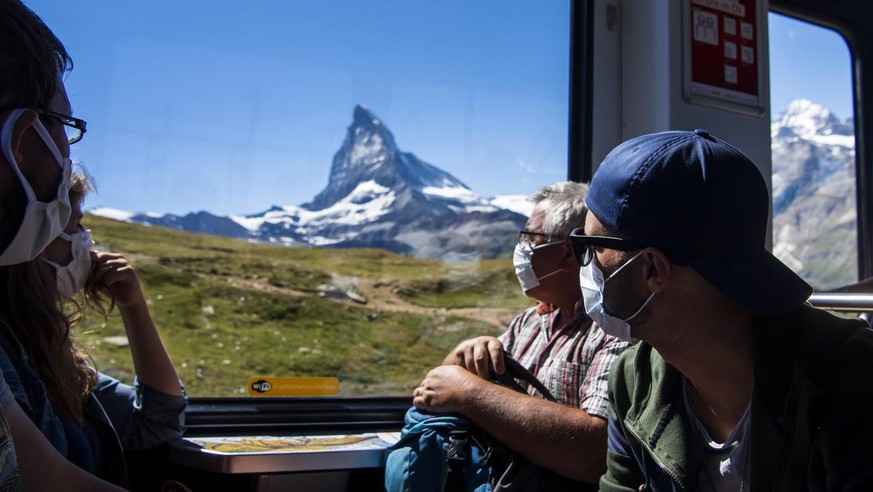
[(572, 359)]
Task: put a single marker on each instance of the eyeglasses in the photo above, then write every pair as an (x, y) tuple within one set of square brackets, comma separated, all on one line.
[(583, 246), (74, 127), (533, 238)]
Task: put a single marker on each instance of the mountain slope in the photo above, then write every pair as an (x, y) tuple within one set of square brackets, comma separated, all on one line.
[(814, 194), (376, 196)]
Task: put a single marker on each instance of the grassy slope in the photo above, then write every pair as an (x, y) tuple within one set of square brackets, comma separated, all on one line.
[(228, 310)]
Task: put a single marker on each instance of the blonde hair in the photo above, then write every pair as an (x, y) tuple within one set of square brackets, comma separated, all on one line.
[(94, 296)]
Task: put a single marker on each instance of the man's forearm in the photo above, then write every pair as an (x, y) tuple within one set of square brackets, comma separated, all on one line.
[(563, 439)]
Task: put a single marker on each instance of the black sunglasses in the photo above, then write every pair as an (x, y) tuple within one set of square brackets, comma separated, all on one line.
[(583, 246)]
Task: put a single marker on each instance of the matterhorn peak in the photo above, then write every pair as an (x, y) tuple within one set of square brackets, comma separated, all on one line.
[(364, 117), (370, 154), (376, 196), (368, 131)]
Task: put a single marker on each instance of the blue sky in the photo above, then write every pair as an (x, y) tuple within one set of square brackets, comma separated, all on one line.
[(808, 62), (233, 109), (209, 106)]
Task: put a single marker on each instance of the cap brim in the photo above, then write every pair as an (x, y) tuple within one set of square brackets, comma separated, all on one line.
[(763, 285)]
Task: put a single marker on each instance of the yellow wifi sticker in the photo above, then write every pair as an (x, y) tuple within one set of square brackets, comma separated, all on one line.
[(270, 386)]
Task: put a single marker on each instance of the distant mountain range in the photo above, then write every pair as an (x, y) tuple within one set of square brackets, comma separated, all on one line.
[(814, 194), (380, 196), (376, 196)]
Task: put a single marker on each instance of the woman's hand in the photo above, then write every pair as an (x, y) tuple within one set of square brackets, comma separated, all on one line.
[(114, 272)]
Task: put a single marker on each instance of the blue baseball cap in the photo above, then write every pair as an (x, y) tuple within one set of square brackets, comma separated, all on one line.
[(706, 205)]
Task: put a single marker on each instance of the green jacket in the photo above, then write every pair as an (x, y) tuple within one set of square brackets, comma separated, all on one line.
[(810, 409)]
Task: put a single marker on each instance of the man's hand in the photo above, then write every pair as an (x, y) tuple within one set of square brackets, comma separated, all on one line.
[(446, 389), (475, 354)]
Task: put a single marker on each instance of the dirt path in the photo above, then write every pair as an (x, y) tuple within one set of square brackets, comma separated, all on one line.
[(381, 296)]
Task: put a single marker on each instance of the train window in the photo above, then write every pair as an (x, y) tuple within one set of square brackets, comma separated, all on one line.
[(813, 152), (314, 188)]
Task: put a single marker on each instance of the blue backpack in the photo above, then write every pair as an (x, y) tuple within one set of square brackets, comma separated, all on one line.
[(436, 453), (447, 453)]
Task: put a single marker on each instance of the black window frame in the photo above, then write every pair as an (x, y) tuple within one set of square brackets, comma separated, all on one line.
[(215, 416), (849, 20)]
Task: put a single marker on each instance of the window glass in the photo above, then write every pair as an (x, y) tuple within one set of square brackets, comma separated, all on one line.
[(813, 151), (314, 188)]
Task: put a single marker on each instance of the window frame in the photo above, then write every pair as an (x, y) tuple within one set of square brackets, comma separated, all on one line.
[(847, 20)]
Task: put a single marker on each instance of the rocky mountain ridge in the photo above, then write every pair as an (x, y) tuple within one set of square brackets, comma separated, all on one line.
[(380, 196), (814, 231), (376, 196)]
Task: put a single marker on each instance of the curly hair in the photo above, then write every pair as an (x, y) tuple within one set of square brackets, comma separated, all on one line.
[(94, 296), (32, 307), (36, 314)]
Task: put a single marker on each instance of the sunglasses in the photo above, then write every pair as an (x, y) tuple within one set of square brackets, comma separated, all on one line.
[(583, 246)]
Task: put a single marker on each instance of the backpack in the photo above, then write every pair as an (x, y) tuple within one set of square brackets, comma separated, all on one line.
[(447, 453), (436, 453)]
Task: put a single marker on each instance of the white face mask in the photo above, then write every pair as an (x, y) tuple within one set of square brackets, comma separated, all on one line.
[(521, 259), (73, 276), (592, 283), (42, 221)]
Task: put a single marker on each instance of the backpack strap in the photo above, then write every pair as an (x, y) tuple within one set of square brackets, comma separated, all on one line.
[(518, 371), (456, 457), (444, 453)]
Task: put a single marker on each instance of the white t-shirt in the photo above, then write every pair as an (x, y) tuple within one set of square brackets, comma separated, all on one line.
[(724, 464)]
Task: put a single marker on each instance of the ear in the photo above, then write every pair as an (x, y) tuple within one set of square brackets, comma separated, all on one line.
[(25, 121), (657, 269)]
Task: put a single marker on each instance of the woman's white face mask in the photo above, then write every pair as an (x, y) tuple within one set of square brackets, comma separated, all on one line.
[(42, 221), (72, 277), (592, 283)]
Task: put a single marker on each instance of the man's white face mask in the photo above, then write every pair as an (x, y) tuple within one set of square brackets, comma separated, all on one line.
[(592, 283), (43, 221), (521, 260)]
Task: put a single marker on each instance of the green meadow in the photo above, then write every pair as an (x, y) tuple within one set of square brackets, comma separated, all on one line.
[(229, 310)]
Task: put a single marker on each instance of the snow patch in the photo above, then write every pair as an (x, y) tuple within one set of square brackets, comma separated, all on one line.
[(516, 203), (452, 192), (111, 213), (250, 223)]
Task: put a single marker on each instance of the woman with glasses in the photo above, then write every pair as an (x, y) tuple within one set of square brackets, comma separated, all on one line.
[(100, 417), (34, 208)]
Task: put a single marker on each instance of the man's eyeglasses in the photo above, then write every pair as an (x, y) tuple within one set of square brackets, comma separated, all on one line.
[(538, 238), (583, 246), (74, 127)]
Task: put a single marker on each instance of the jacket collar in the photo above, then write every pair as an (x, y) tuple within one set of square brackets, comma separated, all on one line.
[(658, 420), (784, 395), (656, 417)]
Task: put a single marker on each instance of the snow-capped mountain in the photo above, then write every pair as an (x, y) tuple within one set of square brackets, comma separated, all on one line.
[(377, 196), (814, 194)]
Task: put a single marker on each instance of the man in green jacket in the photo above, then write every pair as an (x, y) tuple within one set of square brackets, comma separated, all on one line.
[(737, 384)]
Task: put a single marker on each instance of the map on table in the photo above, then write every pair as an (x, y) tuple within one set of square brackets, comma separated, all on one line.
[(293, 444)]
